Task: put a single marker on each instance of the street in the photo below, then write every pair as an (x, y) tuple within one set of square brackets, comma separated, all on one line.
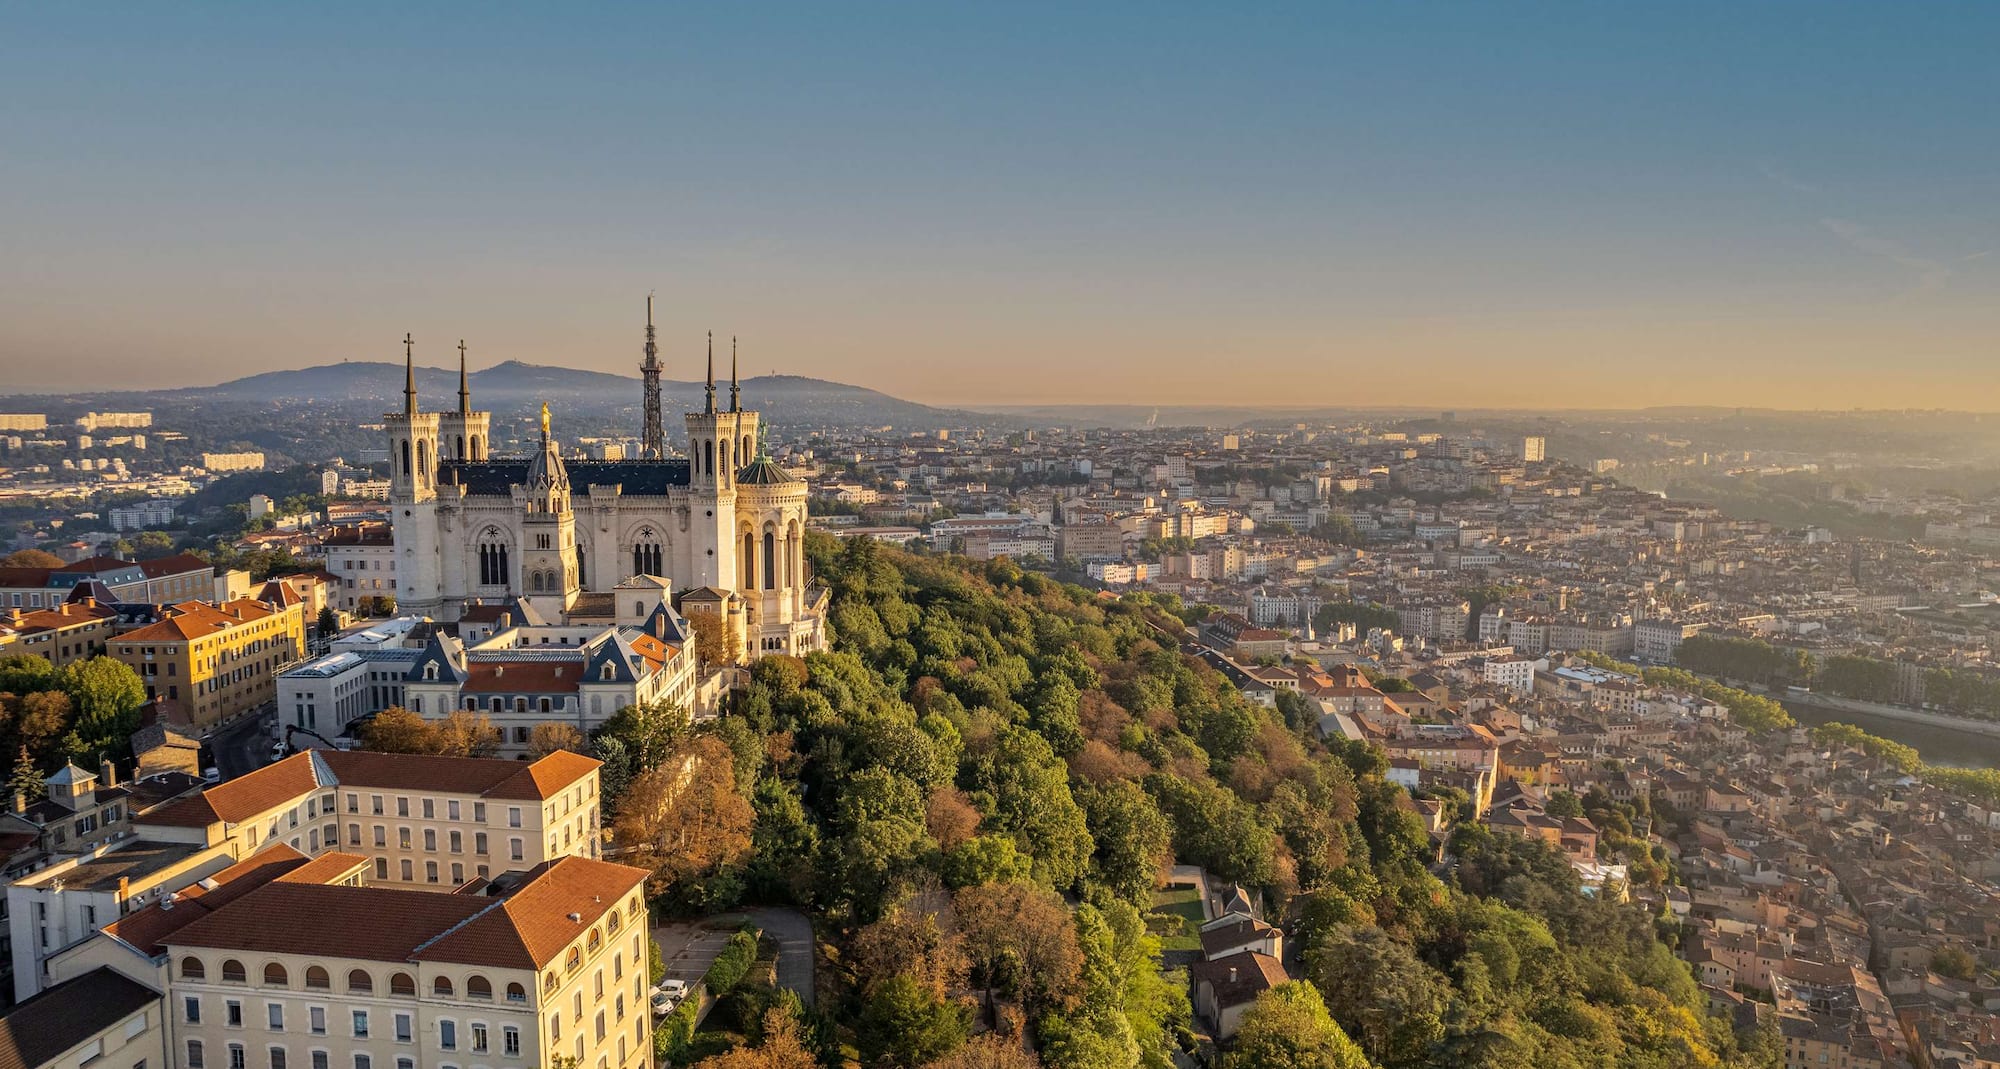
[(243, 746)]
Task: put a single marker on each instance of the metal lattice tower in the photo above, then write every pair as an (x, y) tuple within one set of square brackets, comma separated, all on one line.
[(653, 441)]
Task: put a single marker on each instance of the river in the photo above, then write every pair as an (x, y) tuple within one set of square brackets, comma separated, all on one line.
[(1940, 746)]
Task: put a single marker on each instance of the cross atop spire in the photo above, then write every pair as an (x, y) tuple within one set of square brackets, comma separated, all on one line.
[(464, 395), (409, 375), (711, 373), (735, 391)]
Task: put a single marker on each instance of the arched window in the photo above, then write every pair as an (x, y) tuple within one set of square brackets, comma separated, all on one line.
[(612, 922), (499, 705), (536, 583), (274, 974), (770, 560), (460, 449), (360, 983), (608, 672), (478, 987), (594, 942), (193, 969), (517, 993), (423, 458), (549, 984), (401, 984), (746, 447), (317, 979), (723, 459), (441, 987), (520, 705), (431, 672), (708, 457), (406, 457), (232, 972), (749, 561)]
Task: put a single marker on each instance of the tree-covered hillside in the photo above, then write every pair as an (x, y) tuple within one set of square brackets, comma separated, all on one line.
[(977, 793)]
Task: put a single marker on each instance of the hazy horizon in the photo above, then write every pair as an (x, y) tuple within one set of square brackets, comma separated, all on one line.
[(1546, 208)]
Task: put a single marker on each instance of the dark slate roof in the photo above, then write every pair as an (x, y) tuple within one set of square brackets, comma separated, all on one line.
[(496, 478), (39, 1030), (763, 471)]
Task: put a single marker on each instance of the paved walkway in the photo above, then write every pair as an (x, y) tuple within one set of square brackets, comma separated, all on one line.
[(794, 935)]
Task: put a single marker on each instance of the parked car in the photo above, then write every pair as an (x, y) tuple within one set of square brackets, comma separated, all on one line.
[(664, 1003)]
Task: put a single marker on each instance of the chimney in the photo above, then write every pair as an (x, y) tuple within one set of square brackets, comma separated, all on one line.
[(107, 773), (20, 802), (1232, 974), (124, 887)]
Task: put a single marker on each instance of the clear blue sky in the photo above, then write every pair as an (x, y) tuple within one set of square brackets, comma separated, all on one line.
[(1524, 204)]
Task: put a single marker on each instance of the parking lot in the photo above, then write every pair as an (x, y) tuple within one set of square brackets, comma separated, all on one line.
[(688, 948)]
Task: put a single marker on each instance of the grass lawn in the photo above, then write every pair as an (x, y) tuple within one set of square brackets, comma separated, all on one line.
[(1185, 904)]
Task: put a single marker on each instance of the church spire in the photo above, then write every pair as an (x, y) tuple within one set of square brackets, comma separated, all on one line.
[(464, 395), (652, 436), (409, 376), (735, 391), (711, 373)]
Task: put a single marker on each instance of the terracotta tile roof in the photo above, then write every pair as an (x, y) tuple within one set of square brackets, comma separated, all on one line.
[(245, 796), (483, 776), (302, 774), (64, 615), (197, 619), (373, 923), (178, 564), (545, 778), (522, 677), (38, 1031), (147, 929), (656, 652), (24, 577), (527, 929), (532, 926)]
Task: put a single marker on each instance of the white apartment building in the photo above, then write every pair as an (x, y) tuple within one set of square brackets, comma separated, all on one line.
[(247, 461), (1515, 672), (363, 557), (1657, 641), (158, 512), (92, 422)]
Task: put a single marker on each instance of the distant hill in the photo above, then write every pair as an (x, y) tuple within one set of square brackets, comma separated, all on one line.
[(515, 387)]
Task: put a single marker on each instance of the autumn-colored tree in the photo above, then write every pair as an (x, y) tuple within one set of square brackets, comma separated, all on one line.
[(398, 730), (549, 736), (950, 817), (990, 1051), (783, 1048), (685, 818), (1019, 939), (714, 644), (40, 719), (31, 558), (467, 734), (914, 941), (1289, 1028)]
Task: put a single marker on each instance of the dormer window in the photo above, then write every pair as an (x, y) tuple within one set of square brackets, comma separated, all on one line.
[(431, 672), (608, 673)]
